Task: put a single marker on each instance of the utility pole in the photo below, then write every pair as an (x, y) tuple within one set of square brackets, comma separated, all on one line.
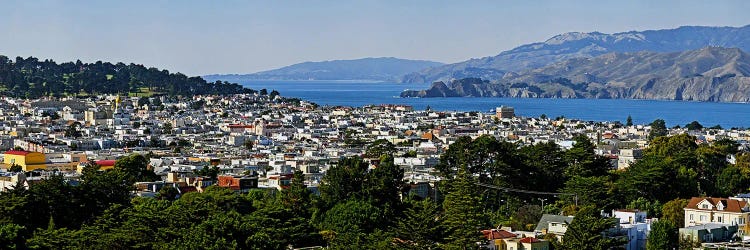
[(543, 200)]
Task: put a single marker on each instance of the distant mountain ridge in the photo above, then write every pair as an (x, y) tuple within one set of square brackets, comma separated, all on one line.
[(373, 69), (708, 74), (577, 44)]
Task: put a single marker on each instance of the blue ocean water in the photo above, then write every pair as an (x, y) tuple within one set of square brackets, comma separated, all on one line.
[(352, 93)]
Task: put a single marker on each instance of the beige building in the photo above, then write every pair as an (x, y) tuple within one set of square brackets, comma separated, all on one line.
[(704, 210), (505, 112), (627, 157), (527, 243)]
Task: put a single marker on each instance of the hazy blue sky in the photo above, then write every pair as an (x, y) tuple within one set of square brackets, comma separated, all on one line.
[(201, 37)]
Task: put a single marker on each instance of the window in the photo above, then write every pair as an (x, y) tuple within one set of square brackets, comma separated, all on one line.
[(691, 217), (718, 219), (703, 218), (704, 206)]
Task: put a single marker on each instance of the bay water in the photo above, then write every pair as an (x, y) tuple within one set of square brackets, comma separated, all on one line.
[(359, 93)]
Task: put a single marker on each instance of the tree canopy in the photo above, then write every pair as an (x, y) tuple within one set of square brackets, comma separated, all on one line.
[(364, 203), (31, 78)]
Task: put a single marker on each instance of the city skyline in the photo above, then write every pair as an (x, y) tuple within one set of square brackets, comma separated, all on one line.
[(199, 38)]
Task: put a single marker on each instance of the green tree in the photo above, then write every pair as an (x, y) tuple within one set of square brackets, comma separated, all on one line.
[(495, 162), (743, 162), (421, 225), (674, 211), (658, 128), (663, 235), (652, 208), (343, 181), (456, 155), (143, 101), (594, 190), (586, 231), (544, 161), (383, 186), (410, 153), (134, 168), (72, 131), (526, 217), (297, 197), (169, 193), (167, 128), (273, 94), (463, 218), (196, 105), (727, 146), (687, 242), (350, 222), (657, 178), (583, 161), (15, 168), (629, 121), (732, 181), (694, 125), (52, 238), (209, 171), (677, 147), (11, 236), (100, 190), (379, 148)]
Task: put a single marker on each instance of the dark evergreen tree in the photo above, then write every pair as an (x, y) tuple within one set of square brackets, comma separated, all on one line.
[(629, 121), (674, 211), (583, 161), (663, 235), (421, 225), (586, 231), (134, 168), (463, 218), (658, 128), (297, 197), (694, 125), (343, 181)]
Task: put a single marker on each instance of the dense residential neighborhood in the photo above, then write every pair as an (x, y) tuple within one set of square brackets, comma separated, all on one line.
[(262, 141)]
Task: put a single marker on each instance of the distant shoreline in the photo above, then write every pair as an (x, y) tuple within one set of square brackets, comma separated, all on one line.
[(306, 81)]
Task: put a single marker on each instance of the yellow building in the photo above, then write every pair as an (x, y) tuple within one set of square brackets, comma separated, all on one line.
[(29, 161), (526, 243)]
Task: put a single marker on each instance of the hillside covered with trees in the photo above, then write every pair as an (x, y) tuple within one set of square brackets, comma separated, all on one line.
[(33, 78), (361, 207)]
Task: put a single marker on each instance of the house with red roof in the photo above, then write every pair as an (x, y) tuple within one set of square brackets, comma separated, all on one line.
[(495, 238), (502, 239), (103, 165), (28, 160), (708, 210)]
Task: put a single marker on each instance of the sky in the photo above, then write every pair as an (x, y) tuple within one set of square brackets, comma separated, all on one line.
[(207, 37)]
